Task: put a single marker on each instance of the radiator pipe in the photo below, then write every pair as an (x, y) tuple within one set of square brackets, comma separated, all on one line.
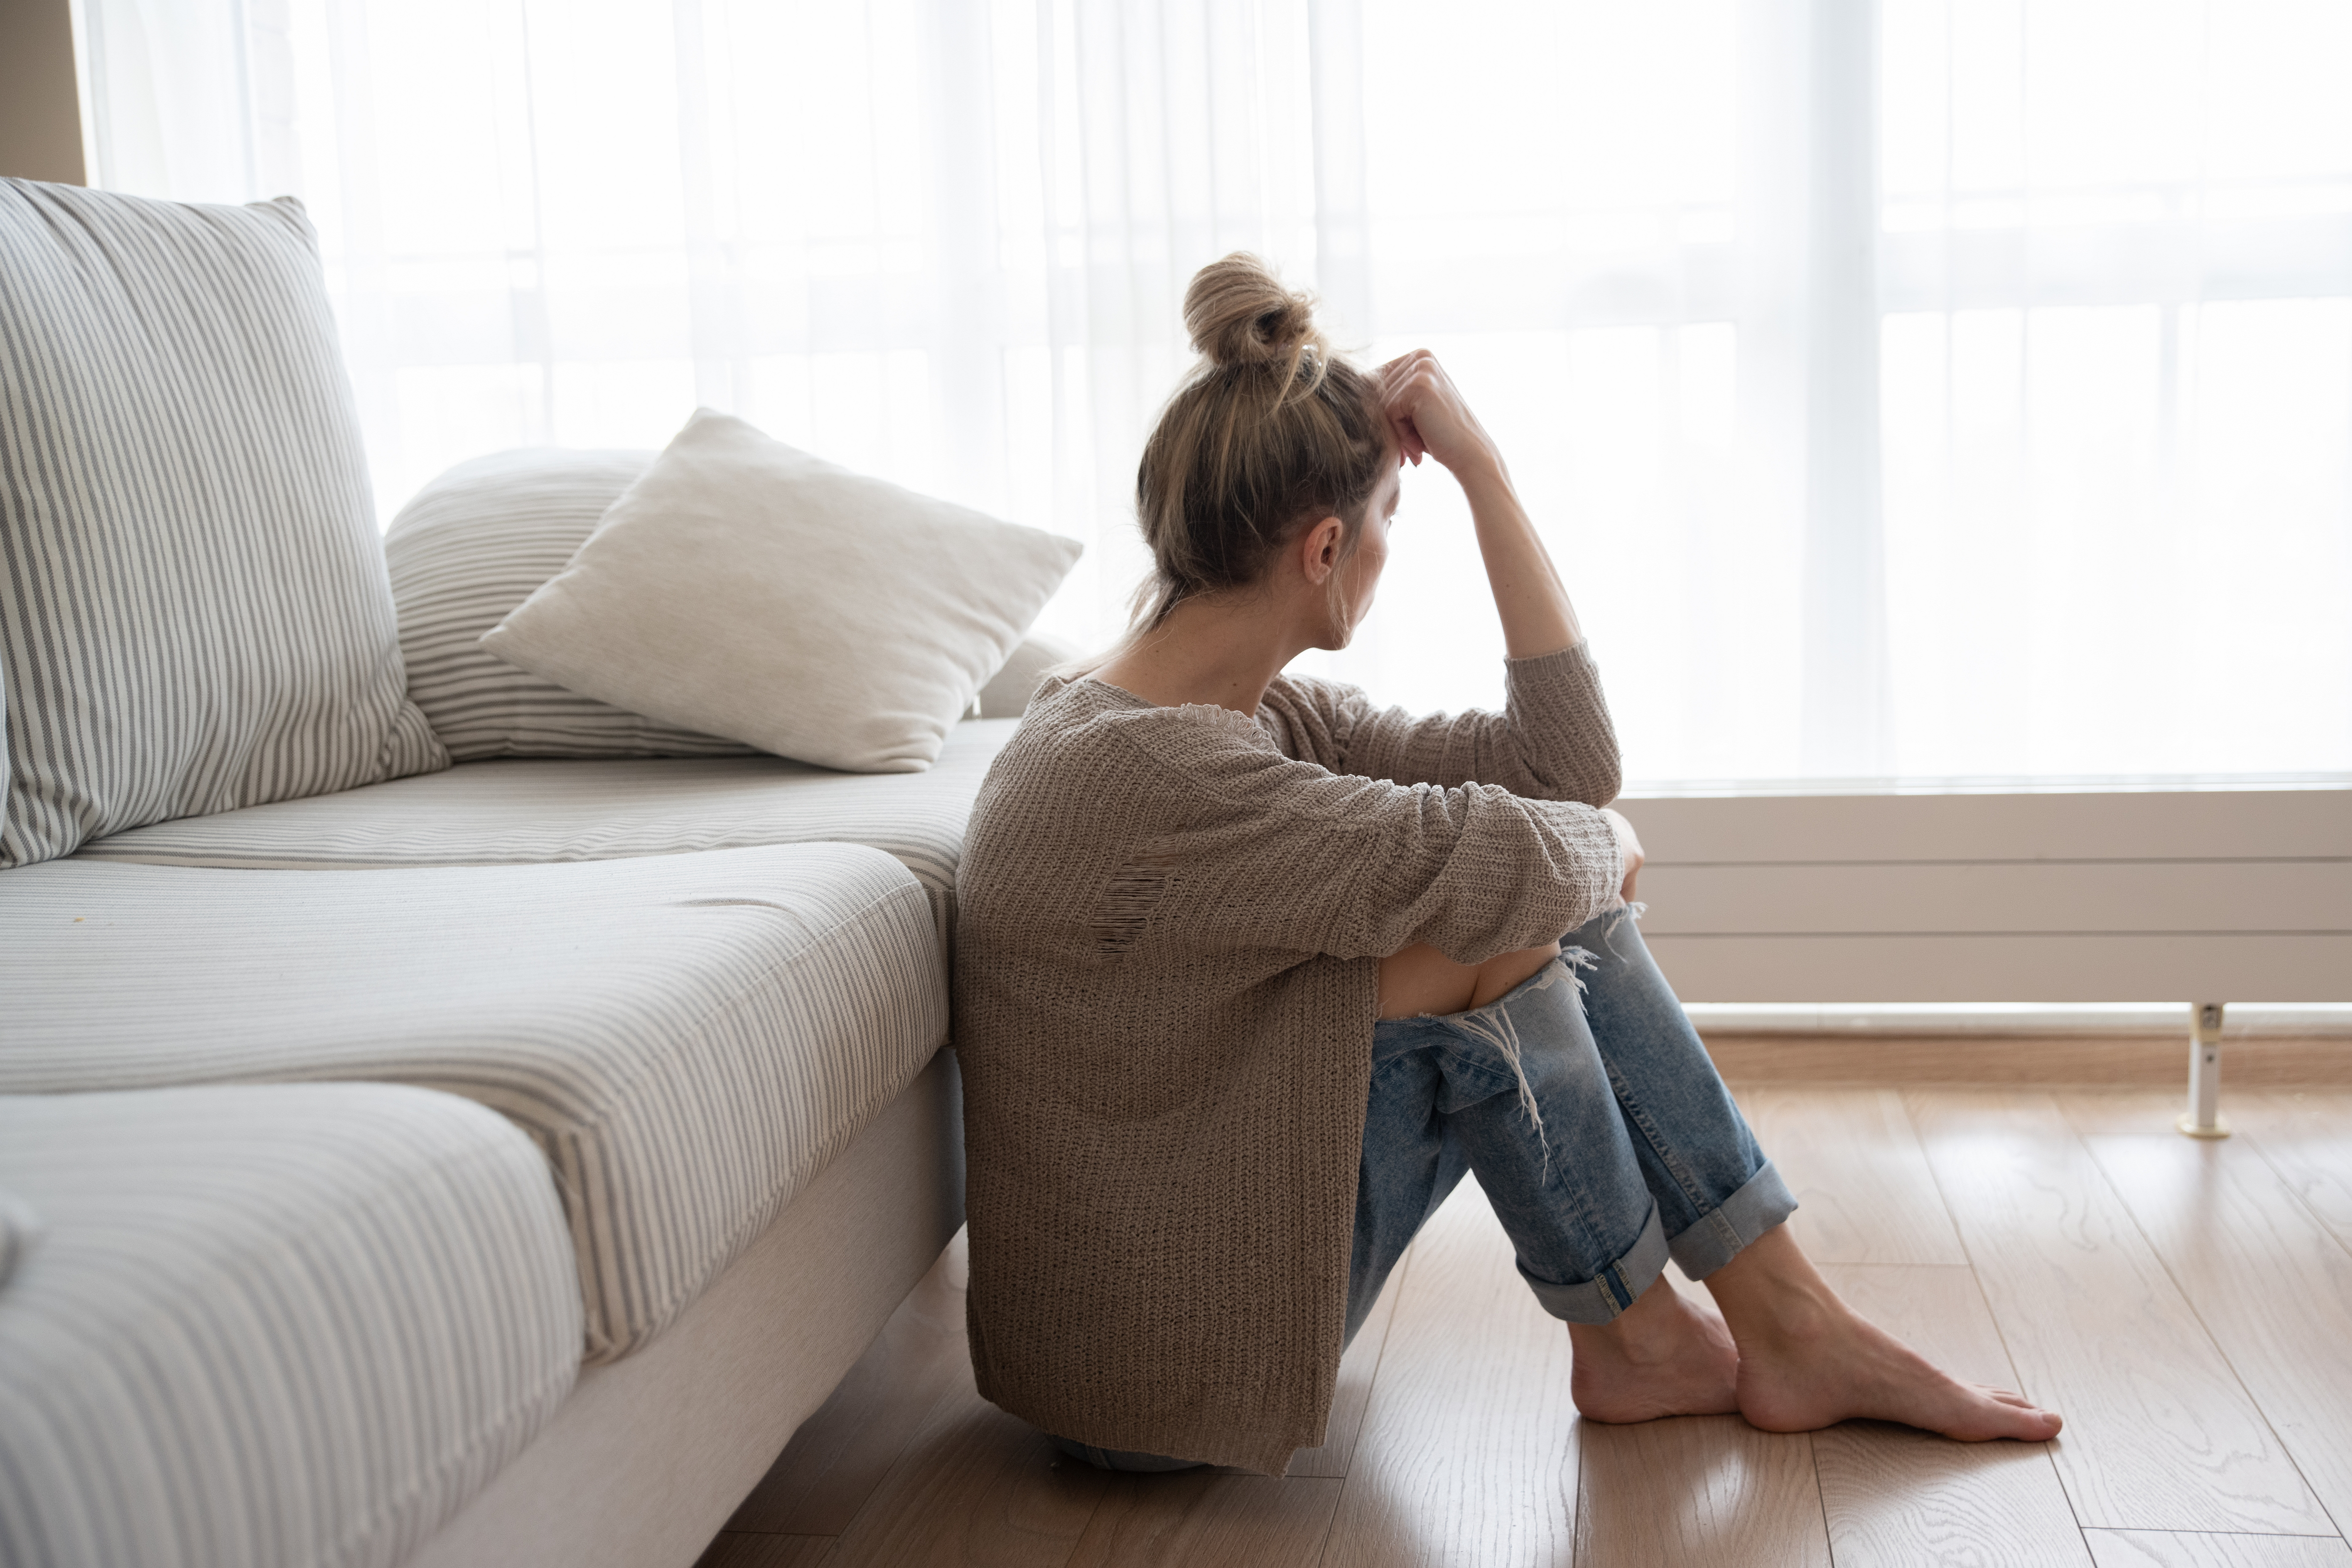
[(2203, 1117)]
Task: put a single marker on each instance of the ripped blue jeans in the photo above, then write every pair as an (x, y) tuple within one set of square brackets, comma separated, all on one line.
[(1601, 1133), (1594, 1119)]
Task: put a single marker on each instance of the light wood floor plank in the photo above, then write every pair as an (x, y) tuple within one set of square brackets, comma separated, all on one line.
[(1698, 1492), (1201, 1519), (735, 1549), (1897, 1497), (2304, 1135), (1354, 1387), (2159, 1433), (975, 1487), (2156, 1549), (1863, 1189), (840, 1454), (1467, 1451), (2272, 1286)]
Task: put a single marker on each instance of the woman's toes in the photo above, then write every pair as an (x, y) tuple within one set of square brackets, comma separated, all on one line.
[(2044, 1423), (2031, 1426), (2005, 1414)]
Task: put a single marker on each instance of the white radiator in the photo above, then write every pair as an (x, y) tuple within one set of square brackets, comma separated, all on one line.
[(2232, 895)]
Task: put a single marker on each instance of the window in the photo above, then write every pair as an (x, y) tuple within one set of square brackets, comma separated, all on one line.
[(1933, 390)]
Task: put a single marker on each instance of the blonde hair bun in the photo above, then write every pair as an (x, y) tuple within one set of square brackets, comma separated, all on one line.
[(1269, 430), (1239, 313)]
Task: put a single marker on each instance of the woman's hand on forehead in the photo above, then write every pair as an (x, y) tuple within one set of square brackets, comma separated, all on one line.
[(1430, 414), (1410, 446)]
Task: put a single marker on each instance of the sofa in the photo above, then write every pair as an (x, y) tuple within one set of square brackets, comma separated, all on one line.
[(441, 1119)]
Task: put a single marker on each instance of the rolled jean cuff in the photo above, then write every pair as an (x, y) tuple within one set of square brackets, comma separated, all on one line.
[(1617, 1287), (1716, 1237)]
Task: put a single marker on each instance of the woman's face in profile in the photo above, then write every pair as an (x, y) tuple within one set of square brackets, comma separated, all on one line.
[(1361, 575)]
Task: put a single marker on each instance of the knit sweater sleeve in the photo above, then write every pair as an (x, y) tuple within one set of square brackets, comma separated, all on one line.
[(1261, 851), (1552, 740)]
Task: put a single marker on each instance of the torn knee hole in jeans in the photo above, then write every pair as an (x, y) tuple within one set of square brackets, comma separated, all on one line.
[(1499, 1032), (1632, 910)]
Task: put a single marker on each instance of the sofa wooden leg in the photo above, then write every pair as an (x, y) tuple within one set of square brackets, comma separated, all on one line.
[(2203, 1117)]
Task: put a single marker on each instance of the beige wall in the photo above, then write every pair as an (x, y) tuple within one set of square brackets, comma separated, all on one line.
[(41, 111)]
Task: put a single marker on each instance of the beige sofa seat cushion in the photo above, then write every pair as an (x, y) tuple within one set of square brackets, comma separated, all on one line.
[(515, 812), (279, 1325), (689, 1039)]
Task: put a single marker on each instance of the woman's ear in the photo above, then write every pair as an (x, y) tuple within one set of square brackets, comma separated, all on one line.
[(1321, 548)]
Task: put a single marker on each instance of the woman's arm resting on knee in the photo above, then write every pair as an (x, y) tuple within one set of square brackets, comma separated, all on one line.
[(1263, 852)]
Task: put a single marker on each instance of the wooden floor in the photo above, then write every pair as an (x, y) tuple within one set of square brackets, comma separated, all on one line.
[(2187, 1305)]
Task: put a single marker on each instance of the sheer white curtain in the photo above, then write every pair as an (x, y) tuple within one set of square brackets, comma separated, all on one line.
[(2117, 287), (1935, 389)]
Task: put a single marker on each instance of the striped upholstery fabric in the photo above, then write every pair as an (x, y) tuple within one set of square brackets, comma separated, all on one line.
[(287, 1327), (472, 545), (197, 615), (517, 813), (687, 1038)]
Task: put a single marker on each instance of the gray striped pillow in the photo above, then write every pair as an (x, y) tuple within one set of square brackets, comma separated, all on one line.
[(472, 545), (196, 616)]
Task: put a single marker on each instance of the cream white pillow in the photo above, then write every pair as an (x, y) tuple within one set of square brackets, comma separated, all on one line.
[(744, 588)]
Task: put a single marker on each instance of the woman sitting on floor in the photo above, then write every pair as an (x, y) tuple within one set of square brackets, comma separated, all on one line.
[(1249, 971)]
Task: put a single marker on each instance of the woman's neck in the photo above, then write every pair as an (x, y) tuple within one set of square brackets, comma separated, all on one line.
[(1208, 652)]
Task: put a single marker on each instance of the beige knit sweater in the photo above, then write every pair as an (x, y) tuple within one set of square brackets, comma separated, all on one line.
[(1168, 941)]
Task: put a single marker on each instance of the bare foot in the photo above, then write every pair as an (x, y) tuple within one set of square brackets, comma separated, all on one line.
[(1844, 1367), (1808, 1361), (1664, 1356)]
